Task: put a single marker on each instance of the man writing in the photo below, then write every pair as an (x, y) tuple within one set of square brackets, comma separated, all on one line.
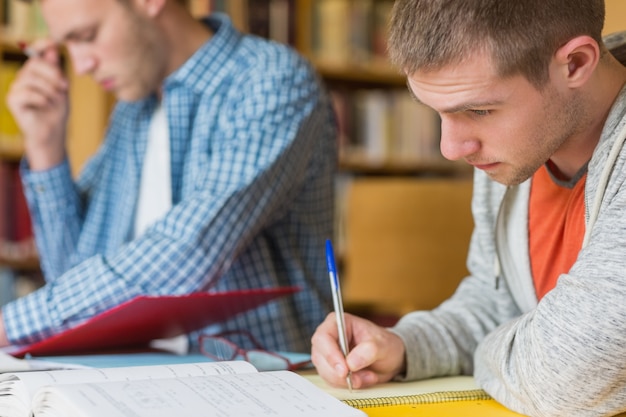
[(530, 96)]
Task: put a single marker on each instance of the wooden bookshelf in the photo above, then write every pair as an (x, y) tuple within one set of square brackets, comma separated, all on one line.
[(399, 166), (376, 73)]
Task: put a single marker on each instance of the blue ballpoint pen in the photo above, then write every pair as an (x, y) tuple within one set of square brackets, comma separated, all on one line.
[(337, 303)]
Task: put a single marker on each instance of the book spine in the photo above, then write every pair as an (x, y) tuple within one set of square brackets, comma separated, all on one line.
[(382, 125), (238, 12), (199, 8), (380, 21), (332, 46), (9, 131), (282, 21), (361, 29), (350, 31), (259, 18), (16, 220), (23, 20), (22, 229), (4, 202)]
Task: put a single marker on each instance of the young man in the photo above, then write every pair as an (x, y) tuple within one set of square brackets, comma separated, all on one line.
[(530, 96), (216, 172)]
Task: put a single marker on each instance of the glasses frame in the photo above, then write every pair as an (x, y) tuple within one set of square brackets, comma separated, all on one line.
[(239, 351)]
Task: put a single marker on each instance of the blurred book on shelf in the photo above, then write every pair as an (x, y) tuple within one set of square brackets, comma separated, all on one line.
[(347, 32), (271, 19), (10, 137), (17, 248), (386, 125), (22, 20)]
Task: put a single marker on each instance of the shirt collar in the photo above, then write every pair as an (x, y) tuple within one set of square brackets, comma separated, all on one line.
[(213, 57)]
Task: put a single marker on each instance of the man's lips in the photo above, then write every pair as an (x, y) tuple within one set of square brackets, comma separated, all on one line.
[(107, 83), (484, 166)]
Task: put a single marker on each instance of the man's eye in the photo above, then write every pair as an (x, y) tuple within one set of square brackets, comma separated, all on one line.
[(83, 37), (480, 112), (88, 37)]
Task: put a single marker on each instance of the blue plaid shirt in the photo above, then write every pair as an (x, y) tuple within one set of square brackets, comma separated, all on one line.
[(253, 157)]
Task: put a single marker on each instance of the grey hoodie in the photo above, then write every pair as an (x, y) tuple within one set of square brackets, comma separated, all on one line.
[(563, 356)]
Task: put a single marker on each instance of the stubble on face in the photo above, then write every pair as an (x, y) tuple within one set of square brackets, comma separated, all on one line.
[(144, 68), (561, 119)]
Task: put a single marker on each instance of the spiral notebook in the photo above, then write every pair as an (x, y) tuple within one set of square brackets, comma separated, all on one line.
[(441, 404), (457, 396)]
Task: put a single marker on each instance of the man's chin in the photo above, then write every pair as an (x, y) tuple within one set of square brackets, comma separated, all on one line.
[(507, 180), (129, 95)]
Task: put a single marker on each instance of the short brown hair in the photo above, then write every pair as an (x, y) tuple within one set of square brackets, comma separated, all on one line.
[(520, 35)]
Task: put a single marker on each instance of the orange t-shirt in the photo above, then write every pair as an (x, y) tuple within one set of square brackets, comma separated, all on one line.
[(556, 226)]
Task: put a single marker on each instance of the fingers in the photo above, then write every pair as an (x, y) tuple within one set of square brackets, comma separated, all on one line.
[(42, 48), (326, 354), (40, 82), (376, 354), (363, 355), (38, 100), (39, 85), (328, 358)]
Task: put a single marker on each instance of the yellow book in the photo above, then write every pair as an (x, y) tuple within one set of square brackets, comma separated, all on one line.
[(8, 72), (457, 396), (10, 136), (441, 404)]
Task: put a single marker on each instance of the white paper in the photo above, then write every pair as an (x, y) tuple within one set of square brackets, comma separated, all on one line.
[(276, 394), (10, 364), (18, 389), (394, 389)]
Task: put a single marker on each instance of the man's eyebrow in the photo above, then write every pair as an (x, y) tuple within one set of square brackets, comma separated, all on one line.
[(470, 106), (74, 34), (456, 109)]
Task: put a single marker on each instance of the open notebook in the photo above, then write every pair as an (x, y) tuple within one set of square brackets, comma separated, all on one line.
[(227, 389)]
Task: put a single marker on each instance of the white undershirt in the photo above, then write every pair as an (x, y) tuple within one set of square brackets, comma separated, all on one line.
[(155, 190)]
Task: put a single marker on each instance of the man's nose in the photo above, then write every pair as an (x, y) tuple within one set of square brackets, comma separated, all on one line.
[(457, 140), (83, 62)]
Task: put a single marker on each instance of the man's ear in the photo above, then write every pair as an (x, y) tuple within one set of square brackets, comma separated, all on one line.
[(577, 60)]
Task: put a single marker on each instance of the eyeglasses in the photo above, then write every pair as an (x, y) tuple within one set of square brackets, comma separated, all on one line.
[(220, 348)]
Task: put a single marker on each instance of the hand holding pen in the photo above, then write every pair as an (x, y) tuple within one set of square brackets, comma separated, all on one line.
[(377, 354)]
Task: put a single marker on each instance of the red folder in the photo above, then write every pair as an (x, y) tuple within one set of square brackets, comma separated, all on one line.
[(136, 322)]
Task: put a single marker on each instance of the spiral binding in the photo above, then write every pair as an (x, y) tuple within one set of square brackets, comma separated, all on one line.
[(417, 399)]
